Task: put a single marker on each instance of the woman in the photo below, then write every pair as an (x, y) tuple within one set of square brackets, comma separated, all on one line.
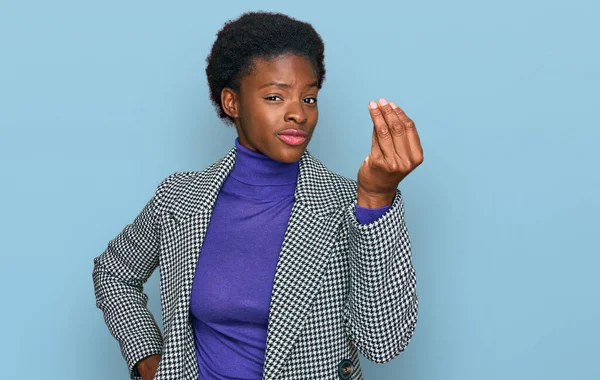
[(271, 266)]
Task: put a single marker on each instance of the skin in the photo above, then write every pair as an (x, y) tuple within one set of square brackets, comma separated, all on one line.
[(395, 152), (147, 367), (278, 94), (261, 109)]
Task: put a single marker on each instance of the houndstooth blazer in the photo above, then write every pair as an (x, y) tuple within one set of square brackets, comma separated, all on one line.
[(339, 286)]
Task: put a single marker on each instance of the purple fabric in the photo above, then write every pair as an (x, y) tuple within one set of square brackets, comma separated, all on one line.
[(232, 286), (369, 215)]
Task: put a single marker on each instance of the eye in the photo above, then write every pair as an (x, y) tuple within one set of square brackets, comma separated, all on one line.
[(311, 100), (273, 98)]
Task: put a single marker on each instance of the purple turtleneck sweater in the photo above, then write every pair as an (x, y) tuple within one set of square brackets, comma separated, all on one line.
[(234, 277)]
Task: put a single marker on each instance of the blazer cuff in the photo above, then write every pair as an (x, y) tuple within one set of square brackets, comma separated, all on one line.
[(393, 213), (366, 215), (144, 348)]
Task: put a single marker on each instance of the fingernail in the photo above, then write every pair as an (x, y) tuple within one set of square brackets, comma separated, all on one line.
[(382, 101), (393, 105), (372, 105)]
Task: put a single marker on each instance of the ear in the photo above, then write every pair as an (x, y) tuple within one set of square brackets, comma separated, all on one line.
[(230, 102)]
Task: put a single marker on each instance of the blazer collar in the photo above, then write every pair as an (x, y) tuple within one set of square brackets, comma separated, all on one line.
[(313, 188), (314, 224)]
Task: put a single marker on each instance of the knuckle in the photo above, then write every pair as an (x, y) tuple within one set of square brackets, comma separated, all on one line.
[(383, 132), (394, 167), (375, 158), (388, 110), (398, 129), (405, 165), (417, 160)]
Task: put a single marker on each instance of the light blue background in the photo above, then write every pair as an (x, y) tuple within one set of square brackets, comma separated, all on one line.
[(100, 101)]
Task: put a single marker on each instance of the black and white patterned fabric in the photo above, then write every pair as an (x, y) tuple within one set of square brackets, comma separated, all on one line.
[(340, 287)]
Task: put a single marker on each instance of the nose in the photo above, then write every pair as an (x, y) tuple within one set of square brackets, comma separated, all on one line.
[(295, 112)]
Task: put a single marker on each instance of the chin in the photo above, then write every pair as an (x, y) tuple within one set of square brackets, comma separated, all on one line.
[(290, 155)]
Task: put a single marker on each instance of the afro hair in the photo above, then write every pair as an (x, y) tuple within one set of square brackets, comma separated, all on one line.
[(253, 35)]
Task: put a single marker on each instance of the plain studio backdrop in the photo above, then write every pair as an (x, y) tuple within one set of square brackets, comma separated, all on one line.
[(99, 101)]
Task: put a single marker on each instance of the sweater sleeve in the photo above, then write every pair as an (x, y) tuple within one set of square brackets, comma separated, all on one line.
[(366, 215), (119, 274), (381, 311)]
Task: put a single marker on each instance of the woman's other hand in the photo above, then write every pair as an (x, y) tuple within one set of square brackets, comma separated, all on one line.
[(147, 367)]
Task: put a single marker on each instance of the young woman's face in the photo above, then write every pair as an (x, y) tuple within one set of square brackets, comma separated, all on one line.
[(276, 108)]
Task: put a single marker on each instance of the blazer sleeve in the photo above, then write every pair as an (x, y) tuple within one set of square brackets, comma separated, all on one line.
[(119, 274), (381, 312)]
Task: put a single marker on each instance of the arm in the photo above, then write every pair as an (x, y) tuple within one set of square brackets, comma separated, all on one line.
[(119, 274), (381, 313)]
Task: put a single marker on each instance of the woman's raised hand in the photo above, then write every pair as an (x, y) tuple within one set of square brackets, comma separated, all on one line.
[(395, 152)]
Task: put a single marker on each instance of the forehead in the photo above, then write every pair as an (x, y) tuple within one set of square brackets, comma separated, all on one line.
[(290, 69)]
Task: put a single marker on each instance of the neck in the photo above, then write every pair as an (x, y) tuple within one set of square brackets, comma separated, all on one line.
[(255, 168)]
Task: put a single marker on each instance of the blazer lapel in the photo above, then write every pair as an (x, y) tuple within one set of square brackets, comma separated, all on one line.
[(188, 224), (313, 227), (184, 233)]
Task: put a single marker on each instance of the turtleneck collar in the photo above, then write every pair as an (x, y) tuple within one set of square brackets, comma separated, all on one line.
[(255, 168)]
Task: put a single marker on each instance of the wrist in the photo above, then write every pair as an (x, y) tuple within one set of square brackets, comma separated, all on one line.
[(374, 200), (148, 365)]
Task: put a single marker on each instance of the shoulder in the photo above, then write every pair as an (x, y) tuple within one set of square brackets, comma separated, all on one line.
[(324, 185), (184, 184), (337, 180)]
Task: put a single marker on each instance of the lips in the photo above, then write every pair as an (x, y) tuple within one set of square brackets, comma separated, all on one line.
[(293, 132)]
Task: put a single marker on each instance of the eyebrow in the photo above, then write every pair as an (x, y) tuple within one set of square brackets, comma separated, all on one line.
[(285, 85)]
